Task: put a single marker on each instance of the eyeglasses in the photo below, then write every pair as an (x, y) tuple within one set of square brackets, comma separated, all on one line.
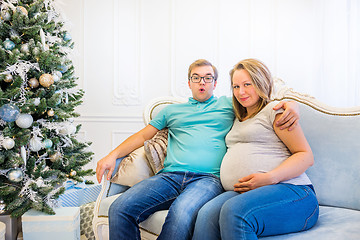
[(197, 79)]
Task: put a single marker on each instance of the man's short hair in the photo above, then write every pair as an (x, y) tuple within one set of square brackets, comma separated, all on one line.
[(200, 63)]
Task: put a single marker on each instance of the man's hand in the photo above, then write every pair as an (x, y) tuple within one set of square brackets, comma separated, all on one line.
[(106, 163), (290, 117)]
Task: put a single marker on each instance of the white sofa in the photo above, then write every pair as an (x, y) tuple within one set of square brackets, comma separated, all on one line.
[(334, 136)]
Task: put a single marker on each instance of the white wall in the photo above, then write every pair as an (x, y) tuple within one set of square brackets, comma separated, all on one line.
[(130, 51)]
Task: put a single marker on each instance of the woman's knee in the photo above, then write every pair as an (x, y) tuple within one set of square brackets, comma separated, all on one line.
[(207, 214)]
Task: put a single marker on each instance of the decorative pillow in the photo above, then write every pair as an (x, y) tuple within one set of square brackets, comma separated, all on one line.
[(133, 169), (155, 150)]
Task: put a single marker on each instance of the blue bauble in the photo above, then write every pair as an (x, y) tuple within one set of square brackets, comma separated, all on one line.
[(47, 143), (9, 112), (9, 45), (63, 68), (67, 37)]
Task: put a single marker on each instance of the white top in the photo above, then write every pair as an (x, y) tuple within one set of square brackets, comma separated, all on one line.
[(254, 147)]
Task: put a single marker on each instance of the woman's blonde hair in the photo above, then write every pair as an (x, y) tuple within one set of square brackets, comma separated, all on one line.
[(262, 81)]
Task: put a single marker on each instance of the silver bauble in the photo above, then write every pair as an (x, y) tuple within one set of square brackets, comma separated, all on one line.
[(5, 15), (15, 175), (8, 143), (33, 83), (35, 144), (36, 51), (24, 120), (55, 77), (8, 78), (58, 73), (36, 101), (25, 48), (68, 129)]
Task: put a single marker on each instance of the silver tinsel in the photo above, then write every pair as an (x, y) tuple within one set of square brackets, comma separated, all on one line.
[(21, 68)]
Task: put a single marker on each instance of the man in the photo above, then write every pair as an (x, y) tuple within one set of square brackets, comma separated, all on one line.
[(190, 178)]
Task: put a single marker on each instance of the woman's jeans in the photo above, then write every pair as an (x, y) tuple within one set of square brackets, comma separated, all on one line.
[(269, 210), (183, 193)]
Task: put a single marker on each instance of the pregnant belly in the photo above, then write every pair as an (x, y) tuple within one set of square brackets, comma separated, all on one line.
[(242, 161)]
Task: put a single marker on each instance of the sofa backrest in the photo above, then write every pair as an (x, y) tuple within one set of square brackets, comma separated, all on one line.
[(335, 142), (334, 137)]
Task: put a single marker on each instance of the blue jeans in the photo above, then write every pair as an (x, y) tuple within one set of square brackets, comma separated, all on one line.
[(269, 210), (183, 193)]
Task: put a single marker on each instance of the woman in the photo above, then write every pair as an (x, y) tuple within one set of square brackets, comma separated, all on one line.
[(263, 171)]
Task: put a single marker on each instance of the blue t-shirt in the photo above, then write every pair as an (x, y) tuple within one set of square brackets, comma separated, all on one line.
[(197, 131)]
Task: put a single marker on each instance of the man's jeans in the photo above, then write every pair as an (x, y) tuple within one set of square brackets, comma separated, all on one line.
[(183, 193), (270, 210)]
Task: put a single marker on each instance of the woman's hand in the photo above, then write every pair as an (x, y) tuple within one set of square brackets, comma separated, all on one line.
[(253, 181)]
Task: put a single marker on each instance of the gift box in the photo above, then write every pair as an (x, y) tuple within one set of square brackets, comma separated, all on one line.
[(11, 226), (2, 230), (79, 194), (65, 224)]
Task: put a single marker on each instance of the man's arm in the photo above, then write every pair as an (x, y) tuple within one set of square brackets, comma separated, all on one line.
[(130, 144), (290, 117)]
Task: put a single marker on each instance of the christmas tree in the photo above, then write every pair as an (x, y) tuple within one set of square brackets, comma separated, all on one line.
[(39, 150)]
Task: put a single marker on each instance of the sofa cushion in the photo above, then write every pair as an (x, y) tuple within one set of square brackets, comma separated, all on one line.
[(333, 224), (337, 159), (133, 169), (155, 150)]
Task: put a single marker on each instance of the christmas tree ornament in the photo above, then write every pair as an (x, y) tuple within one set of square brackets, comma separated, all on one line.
[(14, 35), (55, 77), (72, 173), (68, 129), (35, 144), (33, 83), (24, 120), (47, 143), (22, 10), (50, 113), (46, 80), (15, 175), (25, 48), (36, 101), (23, 154), (9, 112), (5, 14), (2, 207), (8, 143), (8, 78), (56, 156), (34, 43), (67, 37), (9, 45), (63, 68), (58, 73), (36, 51)]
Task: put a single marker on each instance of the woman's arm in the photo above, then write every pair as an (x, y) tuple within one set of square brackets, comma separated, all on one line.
[(300, 160)]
